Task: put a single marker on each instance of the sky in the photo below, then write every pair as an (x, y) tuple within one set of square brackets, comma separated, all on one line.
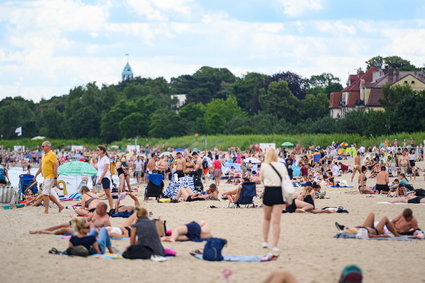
[(48, 47)]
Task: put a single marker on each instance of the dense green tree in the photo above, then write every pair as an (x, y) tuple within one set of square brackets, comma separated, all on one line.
[(409, 114), (392, 95), (247, 91), (164, 124), (296, 83), (390, 62), (219, 112), (279, 101)]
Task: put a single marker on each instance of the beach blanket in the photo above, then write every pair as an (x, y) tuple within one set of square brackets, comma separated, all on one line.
[(71, 197), (387, 202), (108, 255), (172, 189), (343, 235), (69, 237), (241, 258), (342, 186)]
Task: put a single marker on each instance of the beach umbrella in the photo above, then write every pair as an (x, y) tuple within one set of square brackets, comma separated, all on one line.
[(287, 144), (195, 150), (166, 153), (77, 168), (252, 159), (179, 149), (344, 144)]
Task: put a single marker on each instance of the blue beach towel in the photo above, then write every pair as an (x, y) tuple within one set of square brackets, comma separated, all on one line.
[(240, 258), (344, 235)]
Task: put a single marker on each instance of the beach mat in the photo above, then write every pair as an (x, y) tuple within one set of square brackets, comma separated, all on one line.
[(240, 258), (108, 255), (344, 235), (69, 237), (342, 187), (387, 202)]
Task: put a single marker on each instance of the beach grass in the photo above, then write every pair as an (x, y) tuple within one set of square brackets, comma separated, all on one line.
[(224, 141)]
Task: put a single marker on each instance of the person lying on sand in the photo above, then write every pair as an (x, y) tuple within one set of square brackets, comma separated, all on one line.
[(123, 208), (193, 231), (304, 202), (187, 194), (411, 198), (383, 228), (124, 230), (97, 220)]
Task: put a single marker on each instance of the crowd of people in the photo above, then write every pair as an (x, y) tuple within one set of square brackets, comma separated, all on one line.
[(310, 169)]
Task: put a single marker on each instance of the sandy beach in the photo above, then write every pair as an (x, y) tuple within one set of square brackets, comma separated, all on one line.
[(308, 249)]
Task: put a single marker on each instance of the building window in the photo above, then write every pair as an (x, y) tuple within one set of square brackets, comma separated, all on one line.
[(405, 82), (413, 82)]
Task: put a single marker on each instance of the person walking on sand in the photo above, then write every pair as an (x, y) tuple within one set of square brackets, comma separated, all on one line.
[(49, 170), (103, 173), (271, 173), (357, 165)]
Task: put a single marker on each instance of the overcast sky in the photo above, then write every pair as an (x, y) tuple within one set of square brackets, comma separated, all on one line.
[(50, 46)]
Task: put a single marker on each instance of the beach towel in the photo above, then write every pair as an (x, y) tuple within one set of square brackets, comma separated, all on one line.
[(343, 235), (124, 214), (241, 258), (69, 237), (172, 189), (387, 202), (342, 186), (107, 255)]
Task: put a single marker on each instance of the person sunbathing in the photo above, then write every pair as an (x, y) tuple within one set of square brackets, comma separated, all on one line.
[(89, 202), (410, 198), (97, 220), (125, 208), (383, 228), (405, 223), (304, 202), (187, 194), (193, 231), (234, 195)]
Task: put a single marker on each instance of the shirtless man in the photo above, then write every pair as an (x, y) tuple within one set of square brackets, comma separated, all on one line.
[(405, 223), (357, 165), (382, 180), (152, 163), (403, 162), (162, 165), (198, 164), (97, 220), (180, 163)]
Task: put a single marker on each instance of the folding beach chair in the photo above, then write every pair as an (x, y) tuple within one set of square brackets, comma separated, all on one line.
[(248, 192), (155, 186)]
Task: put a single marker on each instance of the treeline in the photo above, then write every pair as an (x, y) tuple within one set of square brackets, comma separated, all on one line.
[(217, 102)]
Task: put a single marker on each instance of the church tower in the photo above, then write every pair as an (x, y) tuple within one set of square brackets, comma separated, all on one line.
[(127, 73)]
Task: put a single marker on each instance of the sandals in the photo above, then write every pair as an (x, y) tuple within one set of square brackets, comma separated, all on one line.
[(54, 251)]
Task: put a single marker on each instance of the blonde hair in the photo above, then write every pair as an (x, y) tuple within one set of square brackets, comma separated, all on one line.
[(271, 156), (141, 212), (78, 224)]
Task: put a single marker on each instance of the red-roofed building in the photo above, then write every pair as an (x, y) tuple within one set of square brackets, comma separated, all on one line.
[(364, 90)]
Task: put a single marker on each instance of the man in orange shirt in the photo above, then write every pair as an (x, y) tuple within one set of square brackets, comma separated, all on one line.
[(48, 167)]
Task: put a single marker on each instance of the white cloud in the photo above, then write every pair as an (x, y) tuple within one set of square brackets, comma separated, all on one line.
[(295, 8), (161, 10)]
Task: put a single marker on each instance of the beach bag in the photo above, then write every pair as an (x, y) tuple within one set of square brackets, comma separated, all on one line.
[(212, 249), (138, 252), (78, 251), (161, 228), (287, 186)]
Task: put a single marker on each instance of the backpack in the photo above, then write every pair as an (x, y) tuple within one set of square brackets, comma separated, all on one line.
[(78, 251), (212, 249), (205, 164)]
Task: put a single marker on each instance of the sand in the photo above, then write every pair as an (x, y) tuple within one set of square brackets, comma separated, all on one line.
[(308, 249)]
